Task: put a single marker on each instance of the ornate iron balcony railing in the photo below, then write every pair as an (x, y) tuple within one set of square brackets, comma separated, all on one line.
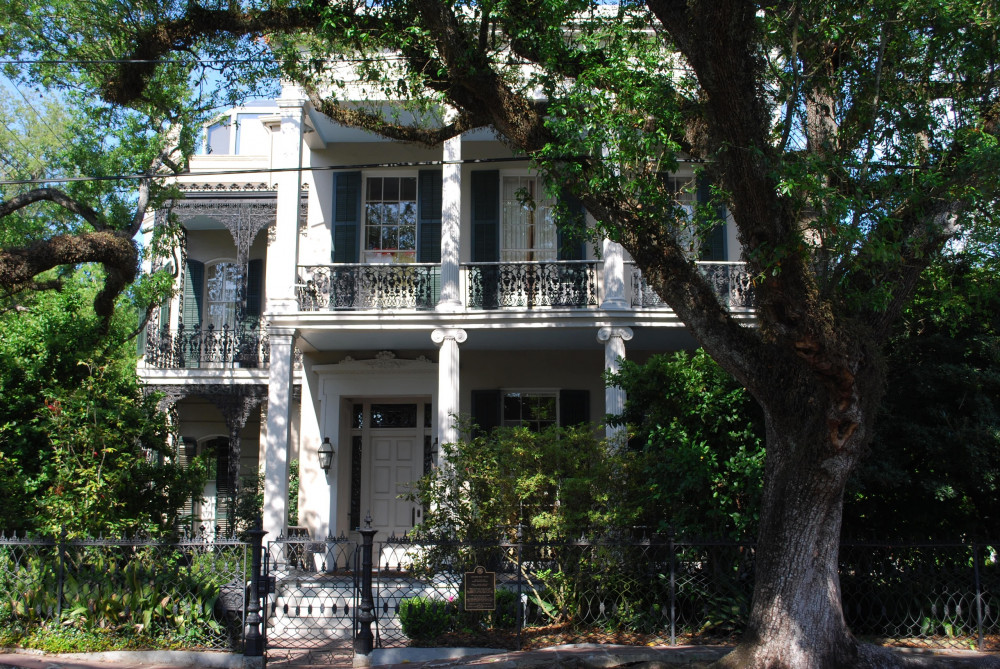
[(246, 347), (563, 283), (731, 282), (358, 286)]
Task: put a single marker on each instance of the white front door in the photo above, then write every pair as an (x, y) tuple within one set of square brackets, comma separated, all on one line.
[(397, 461)]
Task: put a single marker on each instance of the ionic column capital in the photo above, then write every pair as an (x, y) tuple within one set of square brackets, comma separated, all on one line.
[(605, 334), (440, 335)]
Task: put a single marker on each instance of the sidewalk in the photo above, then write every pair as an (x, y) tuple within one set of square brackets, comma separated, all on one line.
[(573, 656)]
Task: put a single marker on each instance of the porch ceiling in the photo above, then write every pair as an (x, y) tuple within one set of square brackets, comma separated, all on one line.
[(480, 337)]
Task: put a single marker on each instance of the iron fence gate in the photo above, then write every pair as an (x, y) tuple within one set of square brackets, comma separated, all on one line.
[(312, 593)]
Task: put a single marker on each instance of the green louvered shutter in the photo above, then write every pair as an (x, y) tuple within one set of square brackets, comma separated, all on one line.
[(429, 219), (570, 241), (486, 216), (346, 216), (574, 407), (713, 246), (255, 280), (223, 489), (194, 282), (486, 410)]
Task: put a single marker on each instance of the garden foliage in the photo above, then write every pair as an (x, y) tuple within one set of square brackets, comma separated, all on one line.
[(135, 594), (83, 448)]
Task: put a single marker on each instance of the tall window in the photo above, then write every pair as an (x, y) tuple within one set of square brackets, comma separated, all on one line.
[(391, 219), (528, 230), (535, 411), (222, 292), (683, 190)]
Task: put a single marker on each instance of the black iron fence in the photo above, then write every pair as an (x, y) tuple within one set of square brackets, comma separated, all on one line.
[(731, 282), (242, 346), (184, 594), (368, 286), (209, 592), (532, 284), (618, 589)]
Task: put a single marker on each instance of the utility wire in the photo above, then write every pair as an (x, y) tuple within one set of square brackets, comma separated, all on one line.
[(187, 61), (13, 158), (40, 117), (325, 168)]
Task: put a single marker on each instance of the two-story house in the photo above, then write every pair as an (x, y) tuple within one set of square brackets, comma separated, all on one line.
[(340, 292)]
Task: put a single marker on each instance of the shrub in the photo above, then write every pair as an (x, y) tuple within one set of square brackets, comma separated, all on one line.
[(424, 619)]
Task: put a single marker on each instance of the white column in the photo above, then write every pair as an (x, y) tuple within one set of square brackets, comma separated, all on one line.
[(451, 225), (448, 382), (614, 339), (282, 251), (614, 276), (279, 426)]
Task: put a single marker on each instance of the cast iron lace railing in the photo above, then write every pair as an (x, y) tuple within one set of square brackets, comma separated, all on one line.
[(244, 346), (359, 286), (568, 283), (730, 281)]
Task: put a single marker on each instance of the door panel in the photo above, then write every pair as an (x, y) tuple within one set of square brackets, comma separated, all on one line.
[(396, 463)]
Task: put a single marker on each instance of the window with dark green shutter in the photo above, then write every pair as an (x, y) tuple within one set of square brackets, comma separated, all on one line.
[(346, 216), (486, 410), (429, 222), (194, 282), (485, 216), (254, 296), (574, 407), (713, 243), (571, 240)]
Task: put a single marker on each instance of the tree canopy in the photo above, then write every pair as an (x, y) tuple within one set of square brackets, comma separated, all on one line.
[(848, 142)]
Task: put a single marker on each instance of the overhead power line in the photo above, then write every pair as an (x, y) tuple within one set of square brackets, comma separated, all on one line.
[(340, 168), (213, 173), (175, 61), (38, 114)]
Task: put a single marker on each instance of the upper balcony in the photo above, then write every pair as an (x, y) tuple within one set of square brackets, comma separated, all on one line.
[(505, 286)]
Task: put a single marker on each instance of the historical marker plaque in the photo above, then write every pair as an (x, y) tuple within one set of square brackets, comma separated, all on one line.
[(480, 590)]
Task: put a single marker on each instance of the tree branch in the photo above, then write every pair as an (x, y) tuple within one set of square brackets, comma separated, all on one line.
[(114, 250), (57, 196), (356, 118), (152, 42)]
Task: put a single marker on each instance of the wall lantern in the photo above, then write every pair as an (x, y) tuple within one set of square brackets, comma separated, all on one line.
[(326, 454)]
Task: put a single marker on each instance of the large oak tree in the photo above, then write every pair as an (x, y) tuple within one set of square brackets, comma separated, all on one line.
[(847, 141)]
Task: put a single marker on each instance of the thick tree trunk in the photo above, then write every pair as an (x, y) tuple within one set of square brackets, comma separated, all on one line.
[(796, 620)]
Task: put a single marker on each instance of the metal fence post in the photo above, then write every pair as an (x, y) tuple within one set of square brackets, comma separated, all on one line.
[(979, 595), (254, 644), (363, 642), (61, 576), (673, 587), (520, 604)]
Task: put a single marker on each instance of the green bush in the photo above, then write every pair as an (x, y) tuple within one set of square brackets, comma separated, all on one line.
[(503, 617), (424, 619), (146, 598)]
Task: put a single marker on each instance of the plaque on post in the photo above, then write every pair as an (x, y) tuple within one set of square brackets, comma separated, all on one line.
[(480, 590)]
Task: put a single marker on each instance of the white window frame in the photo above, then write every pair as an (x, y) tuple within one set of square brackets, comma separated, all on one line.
[(528, 392), (231, 306), (397, 256), (541, 222), (685, 191)]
